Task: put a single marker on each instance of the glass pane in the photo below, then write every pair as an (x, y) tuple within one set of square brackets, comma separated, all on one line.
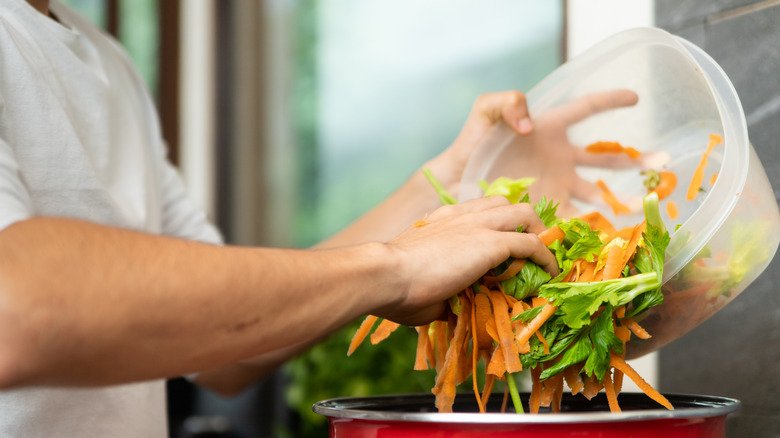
[(380, 87), (138, 31), (139, 34), (94, 10), (394, 82)]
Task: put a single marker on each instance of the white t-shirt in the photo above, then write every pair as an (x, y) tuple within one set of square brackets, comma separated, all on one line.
[(79, 138)]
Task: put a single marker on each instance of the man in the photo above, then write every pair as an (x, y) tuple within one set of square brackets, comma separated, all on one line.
[(111, 280)]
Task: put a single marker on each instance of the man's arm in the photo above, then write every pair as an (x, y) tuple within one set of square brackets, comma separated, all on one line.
[(86, 304)]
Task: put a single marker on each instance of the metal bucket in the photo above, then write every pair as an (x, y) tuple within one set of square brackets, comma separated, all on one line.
[(411, 416)]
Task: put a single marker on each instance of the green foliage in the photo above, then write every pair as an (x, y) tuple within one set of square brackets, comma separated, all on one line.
[(326, 372)]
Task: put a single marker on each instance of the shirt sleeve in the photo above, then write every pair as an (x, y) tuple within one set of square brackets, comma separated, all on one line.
[(181, 217), (15, 203)]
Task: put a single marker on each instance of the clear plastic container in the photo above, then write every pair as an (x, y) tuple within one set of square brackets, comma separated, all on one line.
[(724, 238)]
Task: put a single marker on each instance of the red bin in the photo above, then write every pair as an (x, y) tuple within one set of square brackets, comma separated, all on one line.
[(412, 416)]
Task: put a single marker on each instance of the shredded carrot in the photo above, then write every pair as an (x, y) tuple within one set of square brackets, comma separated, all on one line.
[(611, 200), (713, 178), (496, 365), (698, 174), (361, 333), (635, 328), (551, 234), (506, 338), (612, 147), (613, 268), (440, 343), (609, 388), (543, 341), (446, 381), (488, 388), (551, 389), (385, 328), (475, 357), (671, 210), (620, 364), (536, 390), (598, 222), (483, 314), (423, 343), (633, 242), (572, 377), (512, 270), (535, 323), (592, 387), (422, 222), (661, 182)]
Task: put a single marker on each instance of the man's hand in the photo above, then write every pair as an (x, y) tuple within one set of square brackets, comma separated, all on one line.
[(489, 109), (548, 155), (457, 245)]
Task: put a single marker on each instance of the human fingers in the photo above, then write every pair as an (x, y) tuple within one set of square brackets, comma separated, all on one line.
[(513, 216), (529, 246), (470, 206), (509, 106), (588, 105)]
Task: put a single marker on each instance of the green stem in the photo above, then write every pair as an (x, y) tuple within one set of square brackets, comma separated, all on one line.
[(653, 212), (444, 197), (510, 380)]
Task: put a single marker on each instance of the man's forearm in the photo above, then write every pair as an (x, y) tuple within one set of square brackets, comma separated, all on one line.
[(86, 304)]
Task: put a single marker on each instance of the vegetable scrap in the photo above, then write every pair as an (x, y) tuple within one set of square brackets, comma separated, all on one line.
[(569, 329), (698, 175), (612, 147), (662, 182), (671, 210), (608, 197), (421, 223)]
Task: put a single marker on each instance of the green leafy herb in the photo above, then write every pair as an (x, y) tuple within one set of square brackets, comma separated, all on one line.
[(511, 189), (526, 282)]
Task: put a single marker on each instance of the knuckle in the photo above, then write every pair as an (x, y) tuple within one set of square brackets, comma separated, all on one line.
[(515, 98)]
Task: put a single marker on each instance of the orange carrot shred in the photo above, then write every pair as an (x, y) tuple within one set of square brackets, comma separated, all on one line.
[(536, 389), (698, 174), (713, 178), (635, 328), (483, 314), (422, 222), (446, 381), (609, 388), (671, 210), (361, 333), (619, 363), (535, 323), (496, 366), (573, 379), (505, 334), (423, 341), (598, 222), (613, 268), (592, 387), (551, 234), (611, 147), (611, 200), (512, 270), (385, 328), (543, 341)]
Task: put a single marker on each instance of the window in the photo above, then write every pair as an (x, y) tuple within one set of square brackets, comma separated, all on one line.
[(384, 86)]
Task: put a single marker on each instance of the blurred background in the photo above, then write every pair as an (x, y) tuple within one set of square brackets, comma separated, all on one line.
[(290, 118)]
